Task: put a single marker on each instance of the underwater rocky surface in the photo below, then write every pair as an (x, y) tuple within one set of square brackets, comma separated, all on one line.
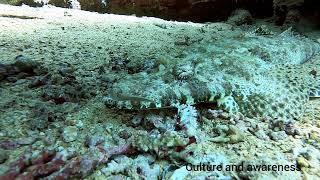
[(283, 11), (76, 90)]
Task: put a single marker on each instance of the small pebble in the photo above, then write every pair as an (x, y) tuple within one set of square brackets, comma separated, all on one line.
[(182, 41), (124, 134), (42, 134), (70, 133), (318, 124), (280, 135), (261, 135), (24, 64), (314, 136), (26, 140), (302, 162), (136, 120), (94, 140), (65, 69), (79, 124), (224, 115)]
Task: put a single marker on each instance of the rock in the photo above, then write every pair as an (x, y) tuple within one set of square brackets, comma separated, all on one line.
[(228, 134), (240, 17), (291, 129), (224, 115), (69, 134), (282, 7), (136, 120), (119, 63), (124, 134), (280, 135), (25, 64), (41, 117), (278, 125), (65, 69), (182, 41), (94, 140), (147, 65), (314, 136), (9, 144), (213, 114), (26, 140), (302, 162), (3, 156), (261, 135), (235, 134), (293, 16), (39, 81)]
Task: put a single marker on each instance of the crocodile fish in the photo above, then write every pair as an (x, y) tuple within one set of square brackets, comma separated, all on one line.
[(256, 74)]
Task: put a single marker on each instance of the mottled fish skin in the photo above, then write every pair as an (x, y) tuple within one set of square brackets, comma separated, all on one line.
[(257, 75)]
